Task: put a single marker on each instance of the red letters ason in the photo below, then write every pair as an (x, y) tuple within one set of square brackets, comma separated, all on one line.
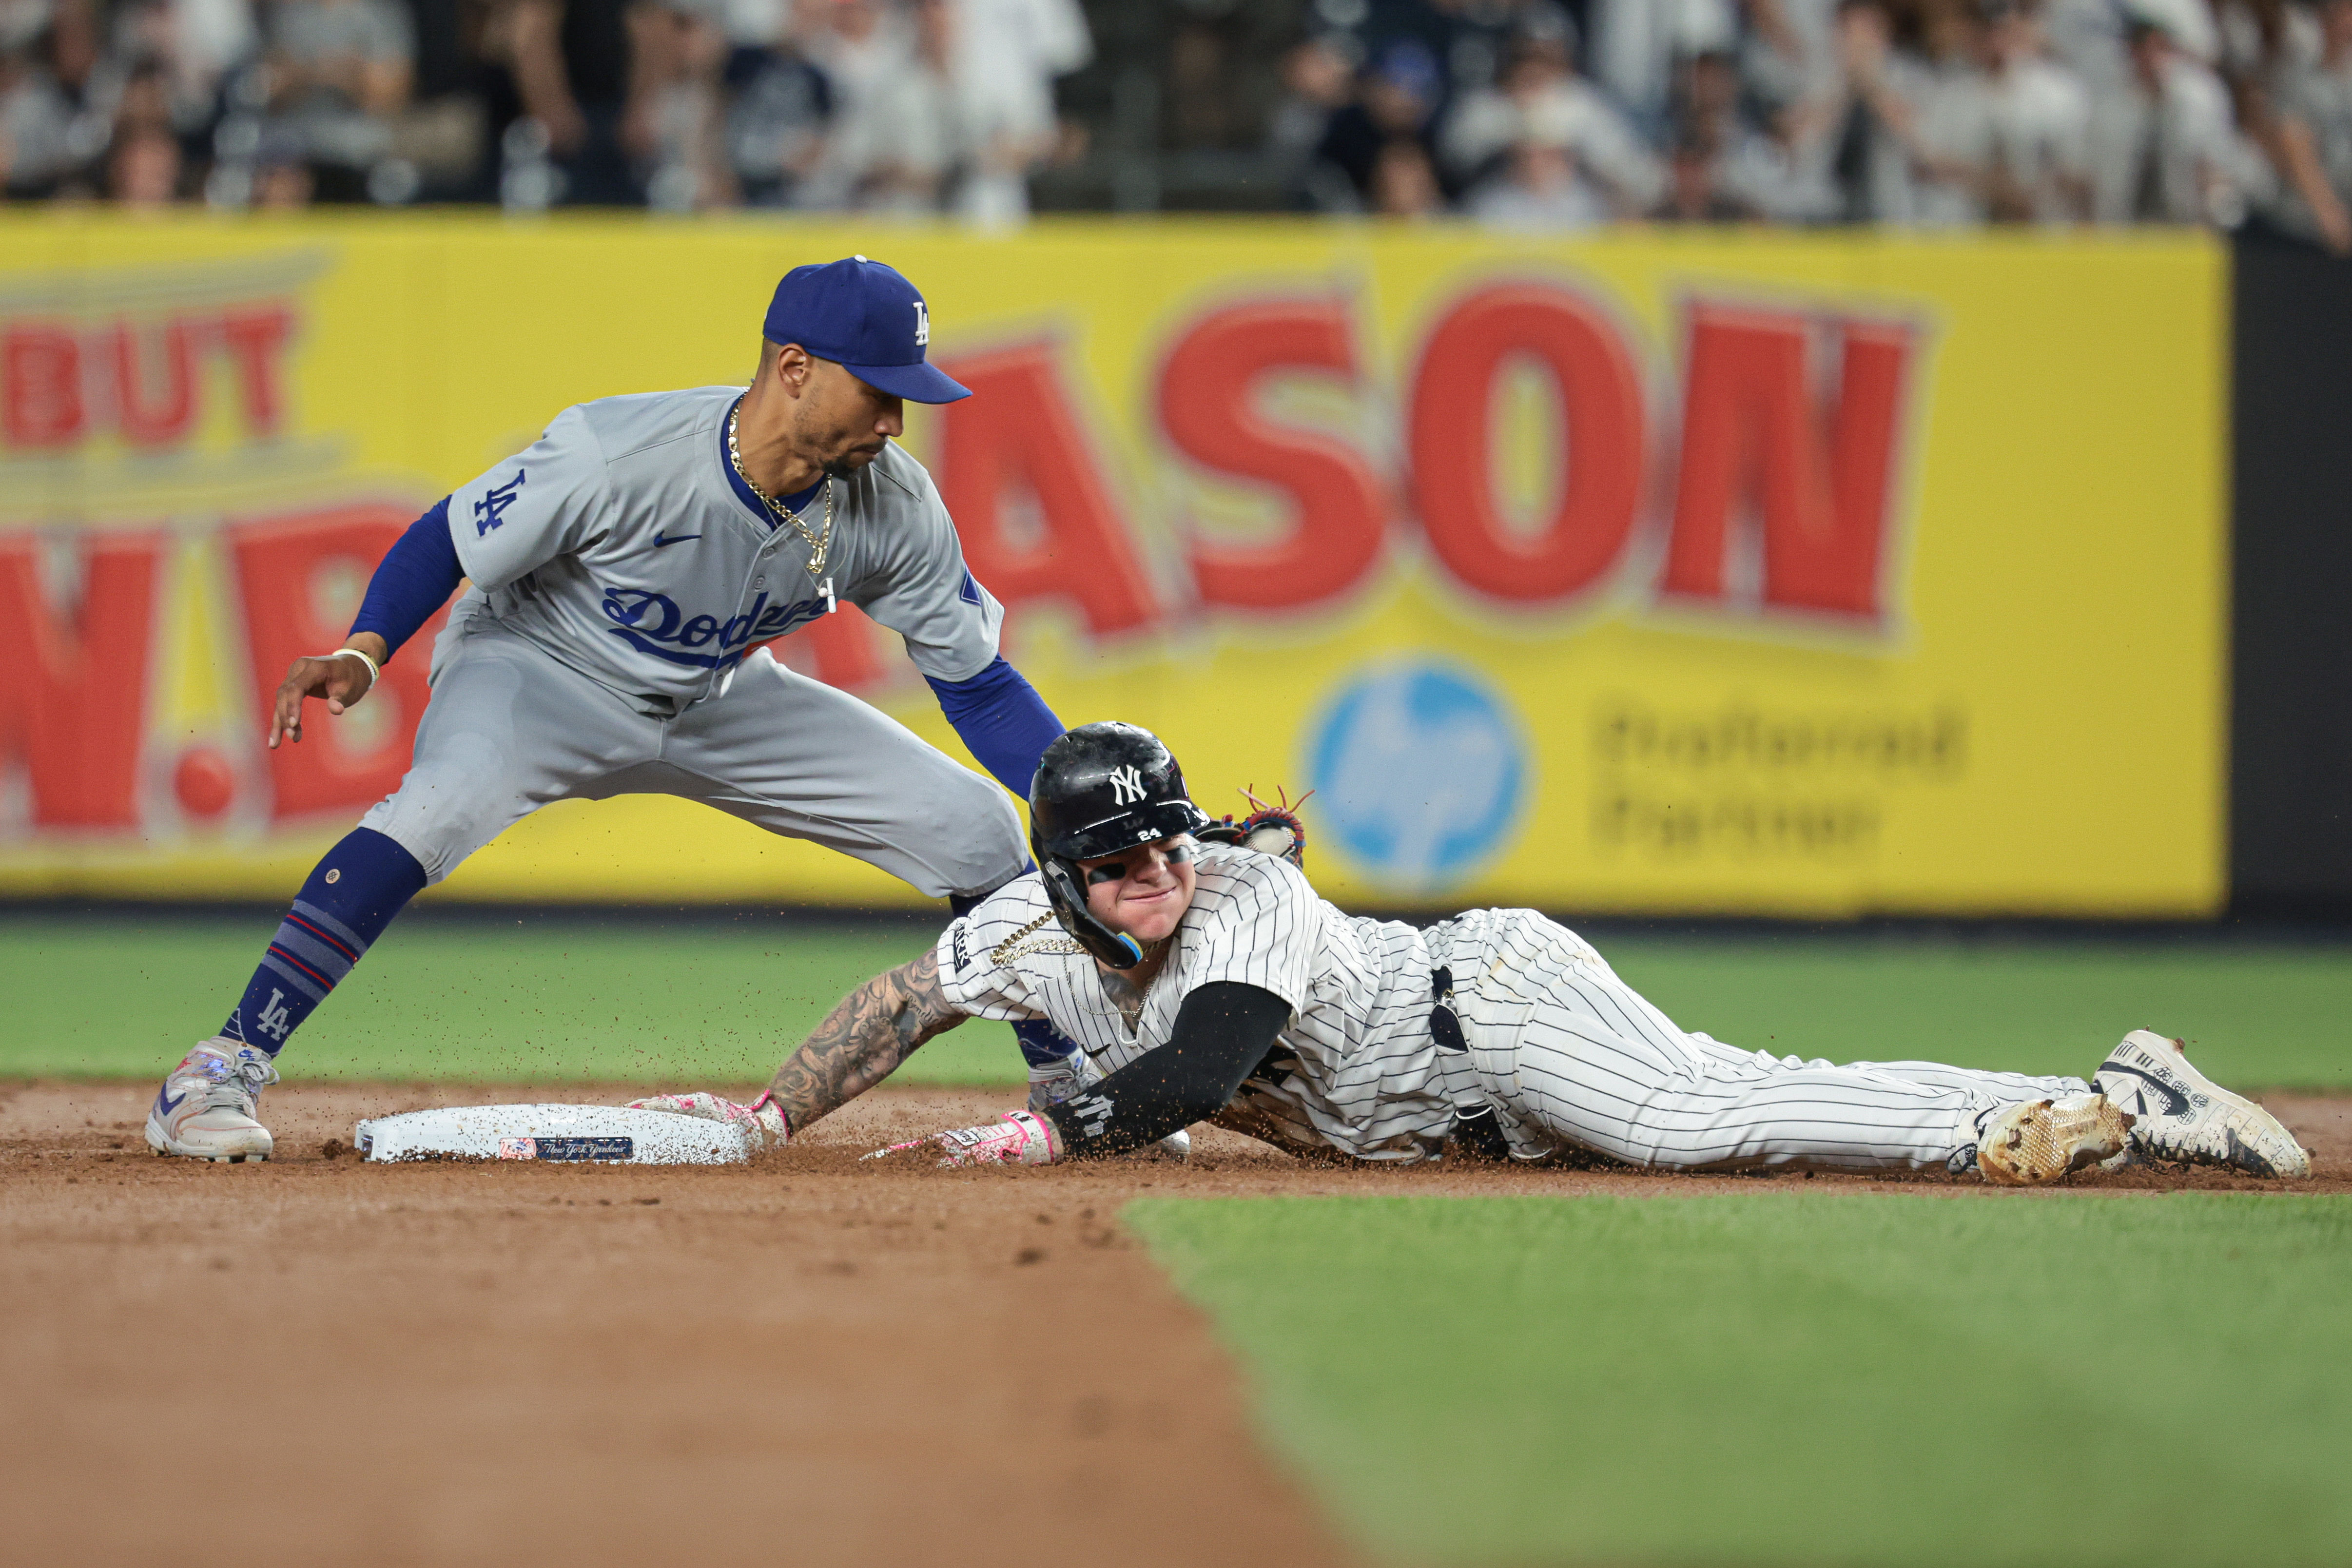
[(1818, 476), (63, 383), (1206, 406), (1602, 435), (1759, 447)]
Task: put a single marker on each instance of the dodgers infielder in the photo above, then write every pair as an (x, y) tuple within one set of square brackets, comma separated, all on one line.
[(624, 571), (1213, 984)]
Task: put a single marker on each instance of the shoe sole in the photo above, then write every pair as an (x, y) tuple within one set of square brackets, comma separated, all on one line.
[(2049, 1141), (2175, 1062), (161, 1146)]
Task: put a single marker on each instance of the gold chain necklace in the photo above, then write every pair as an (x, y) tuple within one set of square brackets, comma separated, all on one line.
[(819, 547)]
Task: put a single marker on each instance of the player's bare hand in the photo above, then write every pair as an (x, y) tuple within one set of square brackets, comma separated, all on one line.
[(338, 678)]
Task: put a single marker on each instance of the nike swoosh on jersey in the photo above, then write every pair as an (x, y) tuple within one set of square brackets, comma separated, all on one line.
[(661, 539)]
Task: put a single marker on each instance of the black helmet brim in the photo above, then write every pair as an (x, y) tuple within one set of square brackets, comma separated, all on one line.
[(1118, 834)]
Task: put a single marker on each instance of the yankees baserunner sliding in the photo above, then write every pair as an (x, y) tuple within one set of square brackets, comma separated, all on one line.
[(1208, 982), (626, 571)]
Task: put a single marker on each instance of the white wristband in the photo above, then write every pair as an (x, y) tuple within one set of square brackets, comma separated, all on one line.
[(375, 673)]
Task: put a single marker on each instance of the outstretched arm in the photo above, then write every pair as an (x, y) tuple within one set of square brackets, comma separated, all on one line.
[(1223, 1032), (1001, 721), (862, 1041), (415, 579)]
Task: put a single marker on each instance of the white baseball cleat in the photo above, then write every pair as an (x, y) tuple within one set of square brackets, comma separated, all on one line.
[(2042, 1140), (206, 1108), (1076, 1072), (2181, 1115)]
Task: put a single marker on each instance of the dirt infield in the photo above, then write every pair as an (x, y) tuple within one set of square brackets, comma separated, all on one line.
[(805, 1359)]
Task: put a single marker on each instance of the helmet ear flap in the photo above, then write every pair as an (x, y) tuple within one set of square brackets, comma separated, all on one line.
[(1069, 901)]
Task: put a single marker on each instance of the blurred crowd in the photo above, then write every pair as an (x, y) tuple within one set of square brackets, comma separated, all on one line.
[(674, 104), (1915, 112), (1525, 114)]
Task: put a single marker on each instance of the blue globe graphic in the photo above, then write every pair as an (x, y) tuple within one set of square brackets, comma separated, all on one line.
[(1421, 769)]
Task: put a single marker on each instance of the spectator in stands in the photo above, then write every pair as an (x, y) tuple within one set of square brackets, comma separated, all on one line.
[(865, 50), (195, 43), (1859, 136), (570, 67), (1788, 53), (2163, 145), (1318, 79), (2265, 40), (1396, 100), (339, 71), (143, 167), (1727, 161), (35, 120), (1637, 43), (900, 145), (2314, 138), (779, 117), (1948, 132), (1547, 148), (1405, 182), (2038, 118), (674, 131), (1003, 57)]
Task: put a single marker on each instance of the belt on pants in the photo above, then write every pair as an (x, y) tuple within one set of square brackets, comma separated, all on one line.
[(1476, 1128)]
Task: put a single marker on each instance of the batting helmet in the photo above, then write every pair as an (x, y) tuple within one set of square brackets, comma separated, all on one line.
[(1102, 789)]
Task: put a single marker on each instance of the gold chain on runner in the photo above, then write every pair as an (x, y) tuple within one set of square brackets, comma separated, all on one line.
[(818, 547)]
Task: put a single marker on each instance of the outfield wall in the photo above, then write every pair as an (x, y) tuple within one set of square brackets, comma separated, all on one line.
[(1758, 573)]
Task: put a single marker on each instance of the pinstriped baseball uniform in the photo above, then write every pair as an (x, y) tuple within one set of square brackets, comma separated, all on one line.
[(1365, 1080), (1565, 1052)]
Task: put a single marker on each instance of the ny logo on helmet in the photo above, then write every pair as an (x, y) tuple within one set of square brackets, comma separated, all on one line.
[(1126, 786), (922, 325)]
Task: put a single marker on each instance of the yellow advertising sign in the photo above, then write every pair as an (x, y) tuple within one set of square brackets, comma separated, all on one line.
[(1641, 572)]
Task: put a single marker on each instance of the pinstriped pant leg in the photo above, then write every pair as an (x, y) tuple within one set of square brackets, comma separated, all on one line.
[(2003, 1088), (1594, 1062)]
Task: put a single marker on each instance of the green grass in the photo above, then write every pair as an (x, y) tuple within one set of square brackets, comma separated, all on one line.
[(2260, 1016), (719, 1003), (1798, 1378), (537, 1001)]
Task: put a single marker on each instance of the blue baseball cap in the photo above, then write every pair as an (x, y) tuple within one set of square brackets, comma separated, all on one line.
[(865, 317)]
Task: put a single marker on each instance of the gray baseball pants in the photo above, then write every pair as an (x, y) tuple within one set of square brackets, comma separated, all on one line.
[(510, 729), (1568, 1051)]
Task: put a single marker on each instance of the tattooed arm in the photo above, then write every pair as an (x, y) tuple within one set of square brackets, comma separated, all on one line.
[(862, 1041)]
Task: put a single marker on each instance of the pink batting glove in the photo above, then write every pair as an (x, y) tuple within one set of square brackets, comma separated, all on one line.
[(762, 1124), (1022, 1138)]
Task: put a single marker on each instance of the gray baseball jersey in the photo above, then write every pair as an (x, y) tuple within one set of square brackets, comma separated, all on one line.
[(620, 573), (623, 543), (1562, 1049)]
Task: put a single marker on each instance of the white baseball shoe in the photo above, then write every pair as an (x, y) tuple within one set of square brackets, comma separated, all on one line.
[(2042, 1140), (2181, 1115), (206, 1108), (1076, 1072)]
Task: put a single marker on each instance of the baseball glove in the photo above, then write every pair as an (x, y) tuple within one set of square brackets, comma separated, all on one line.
[(1269, 830)]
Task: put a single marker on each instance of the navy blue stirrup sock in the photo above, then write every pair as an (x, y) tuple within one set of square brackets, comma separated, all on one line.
[(351, 896), (1042, 1045)]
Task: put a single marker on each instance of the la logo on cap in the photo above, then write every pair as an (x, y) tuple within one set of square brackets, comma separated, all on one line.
[(922, 324)]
